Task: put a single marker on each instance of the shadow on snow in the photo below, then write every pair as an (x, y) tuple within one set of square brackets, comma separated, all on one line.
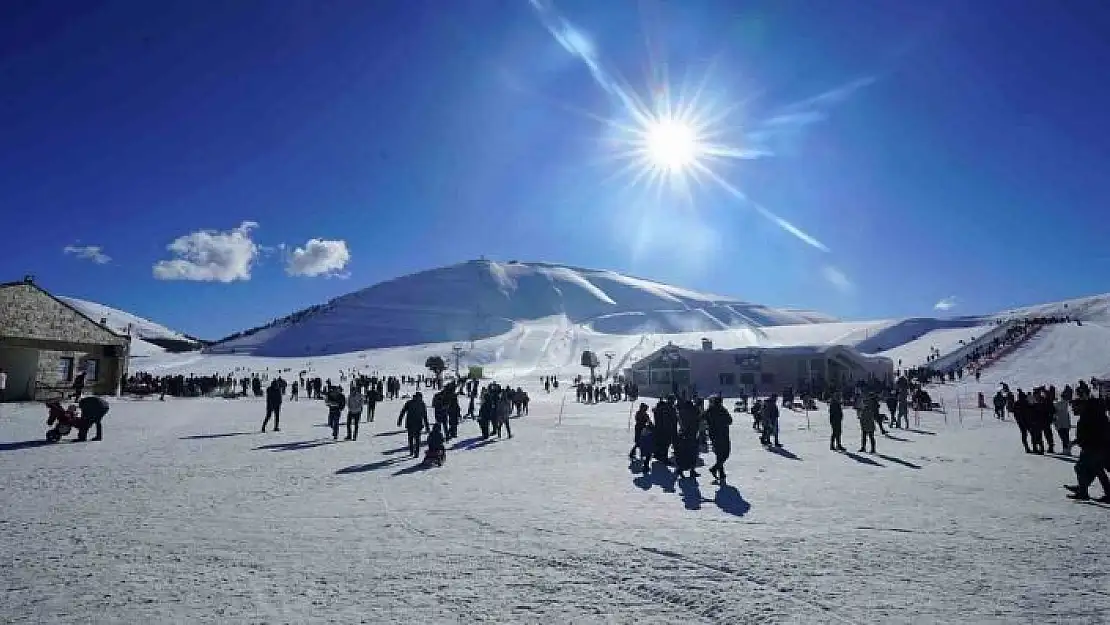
[(197, 437), (862, 459), (785, 453), (728, 498), (373, 466), (23, 445), (297, 445), (390, 433), (904, 463)]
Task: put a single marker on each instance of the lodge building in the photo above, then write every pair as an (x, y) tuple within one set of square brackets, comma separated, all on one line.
[(45, 343)]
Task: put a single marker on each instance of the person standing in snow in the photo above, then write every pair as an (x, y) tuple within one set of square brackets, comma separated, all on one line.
[(1044, 414), (836, 420), (1092, 434), (718, 421), (686, 443), (454, 413), (1022, 416), (1062, 421), (414, 414), (354, 412), (666, 428), (373, 396), (504, 412), (336, 402), (868, 414), (78, 386), (643, 420), (769, 419), (273, 407), (295, 389)]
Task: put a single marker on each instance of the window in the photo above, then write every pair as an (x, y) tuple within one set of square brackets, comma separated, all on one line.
[(767, 378), (92, 369), (747, 378), (65, 369), (727, 379)]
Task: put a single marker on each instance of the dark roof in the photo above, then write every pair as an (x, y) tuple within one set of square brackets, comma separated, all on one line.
[(61, 301)]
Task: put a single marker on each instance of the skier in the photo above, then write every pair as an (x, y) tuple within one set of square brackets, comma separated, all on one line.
[(718, 421), (836, 420), (273, 407), (354, 412), (415, 416), (335, 402), (93, 409)]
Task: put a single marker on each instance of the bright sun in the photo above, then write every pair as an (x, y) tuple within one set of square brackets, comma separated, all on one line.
[(671, 145)]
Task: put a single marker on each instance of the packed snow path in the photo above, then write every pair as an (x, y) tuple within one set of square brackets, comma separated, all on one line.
[(186, 513)]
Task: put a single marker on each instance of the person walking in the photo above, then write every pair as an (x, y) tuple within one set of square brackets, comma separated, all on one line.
[(414, 414), (354, 413), (1062, 421), (836, 420), (718, 420), (868, 415), (273, 407), (770, 422), (1092, 434), (335, 402)]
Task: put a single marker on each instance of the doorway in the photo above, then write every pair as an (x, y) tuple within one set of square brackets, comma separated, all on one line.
[(22, 366)]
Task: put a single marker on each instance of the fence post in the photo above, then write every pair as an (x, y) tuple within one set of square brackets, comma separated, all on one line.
[(561, 404), (630, 406), (959, 408), (807, 416), (944, 410)]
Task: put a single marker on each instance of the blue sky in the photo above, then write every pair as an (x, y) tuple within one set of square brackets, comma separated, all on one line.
[(936, 150)]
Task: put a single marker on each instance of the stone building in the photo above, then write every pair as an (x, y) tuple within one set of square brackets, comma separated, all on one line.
[(751, 370), (45, 343)]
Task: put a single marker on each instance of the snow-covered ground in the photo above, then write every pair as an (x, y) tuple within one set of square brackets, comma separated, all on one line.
[(185, 513)]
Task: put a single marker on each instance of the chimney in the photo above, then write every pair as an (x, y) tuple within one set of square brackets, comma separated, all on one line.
[(104, 321), (707, 345), (29, 279)]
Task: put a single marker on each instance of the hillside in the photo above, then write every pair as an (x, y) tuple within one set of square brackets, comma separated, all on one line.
[(154, 336), (481, 299)]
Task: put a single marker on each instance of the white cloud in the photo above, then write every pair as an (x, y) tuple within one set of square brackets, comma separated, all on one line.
[(319, 257), (947, 303), (837, 278), (211, 256), (88, 252)]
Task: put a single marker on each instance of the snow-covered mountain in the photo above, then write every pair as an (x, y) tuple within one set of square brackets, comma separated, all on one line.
[(156, 335), (481, 299)]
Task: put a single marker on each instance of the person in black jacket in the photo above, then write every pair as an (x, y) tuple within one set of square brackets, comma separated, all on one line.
[(336, 401), (666, 428), (1023, 413), (717, 421), (273, 406), (1092, 434), (415, 416), (836, 420), (93, 409)]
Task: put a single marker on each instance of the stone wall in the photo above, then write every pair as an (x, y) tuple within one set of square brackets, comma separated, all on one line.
[(108, 369), (27, 312)]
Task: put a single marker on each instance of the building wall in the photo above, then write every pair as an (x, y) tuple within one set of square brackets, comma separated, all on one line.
[(29, 318)]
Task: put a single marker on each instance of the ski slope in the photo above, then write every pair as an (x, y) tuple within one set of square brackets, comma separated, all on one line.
[(186, 513), (483, 299)]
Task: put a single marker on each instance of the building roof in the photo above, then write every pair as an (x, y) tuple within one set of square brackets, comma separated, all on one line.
[(801, 350), (30, 283)]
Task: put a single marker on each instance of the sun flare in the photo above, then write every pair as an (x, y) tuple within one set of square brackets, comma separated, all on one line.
[(671, 145)]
